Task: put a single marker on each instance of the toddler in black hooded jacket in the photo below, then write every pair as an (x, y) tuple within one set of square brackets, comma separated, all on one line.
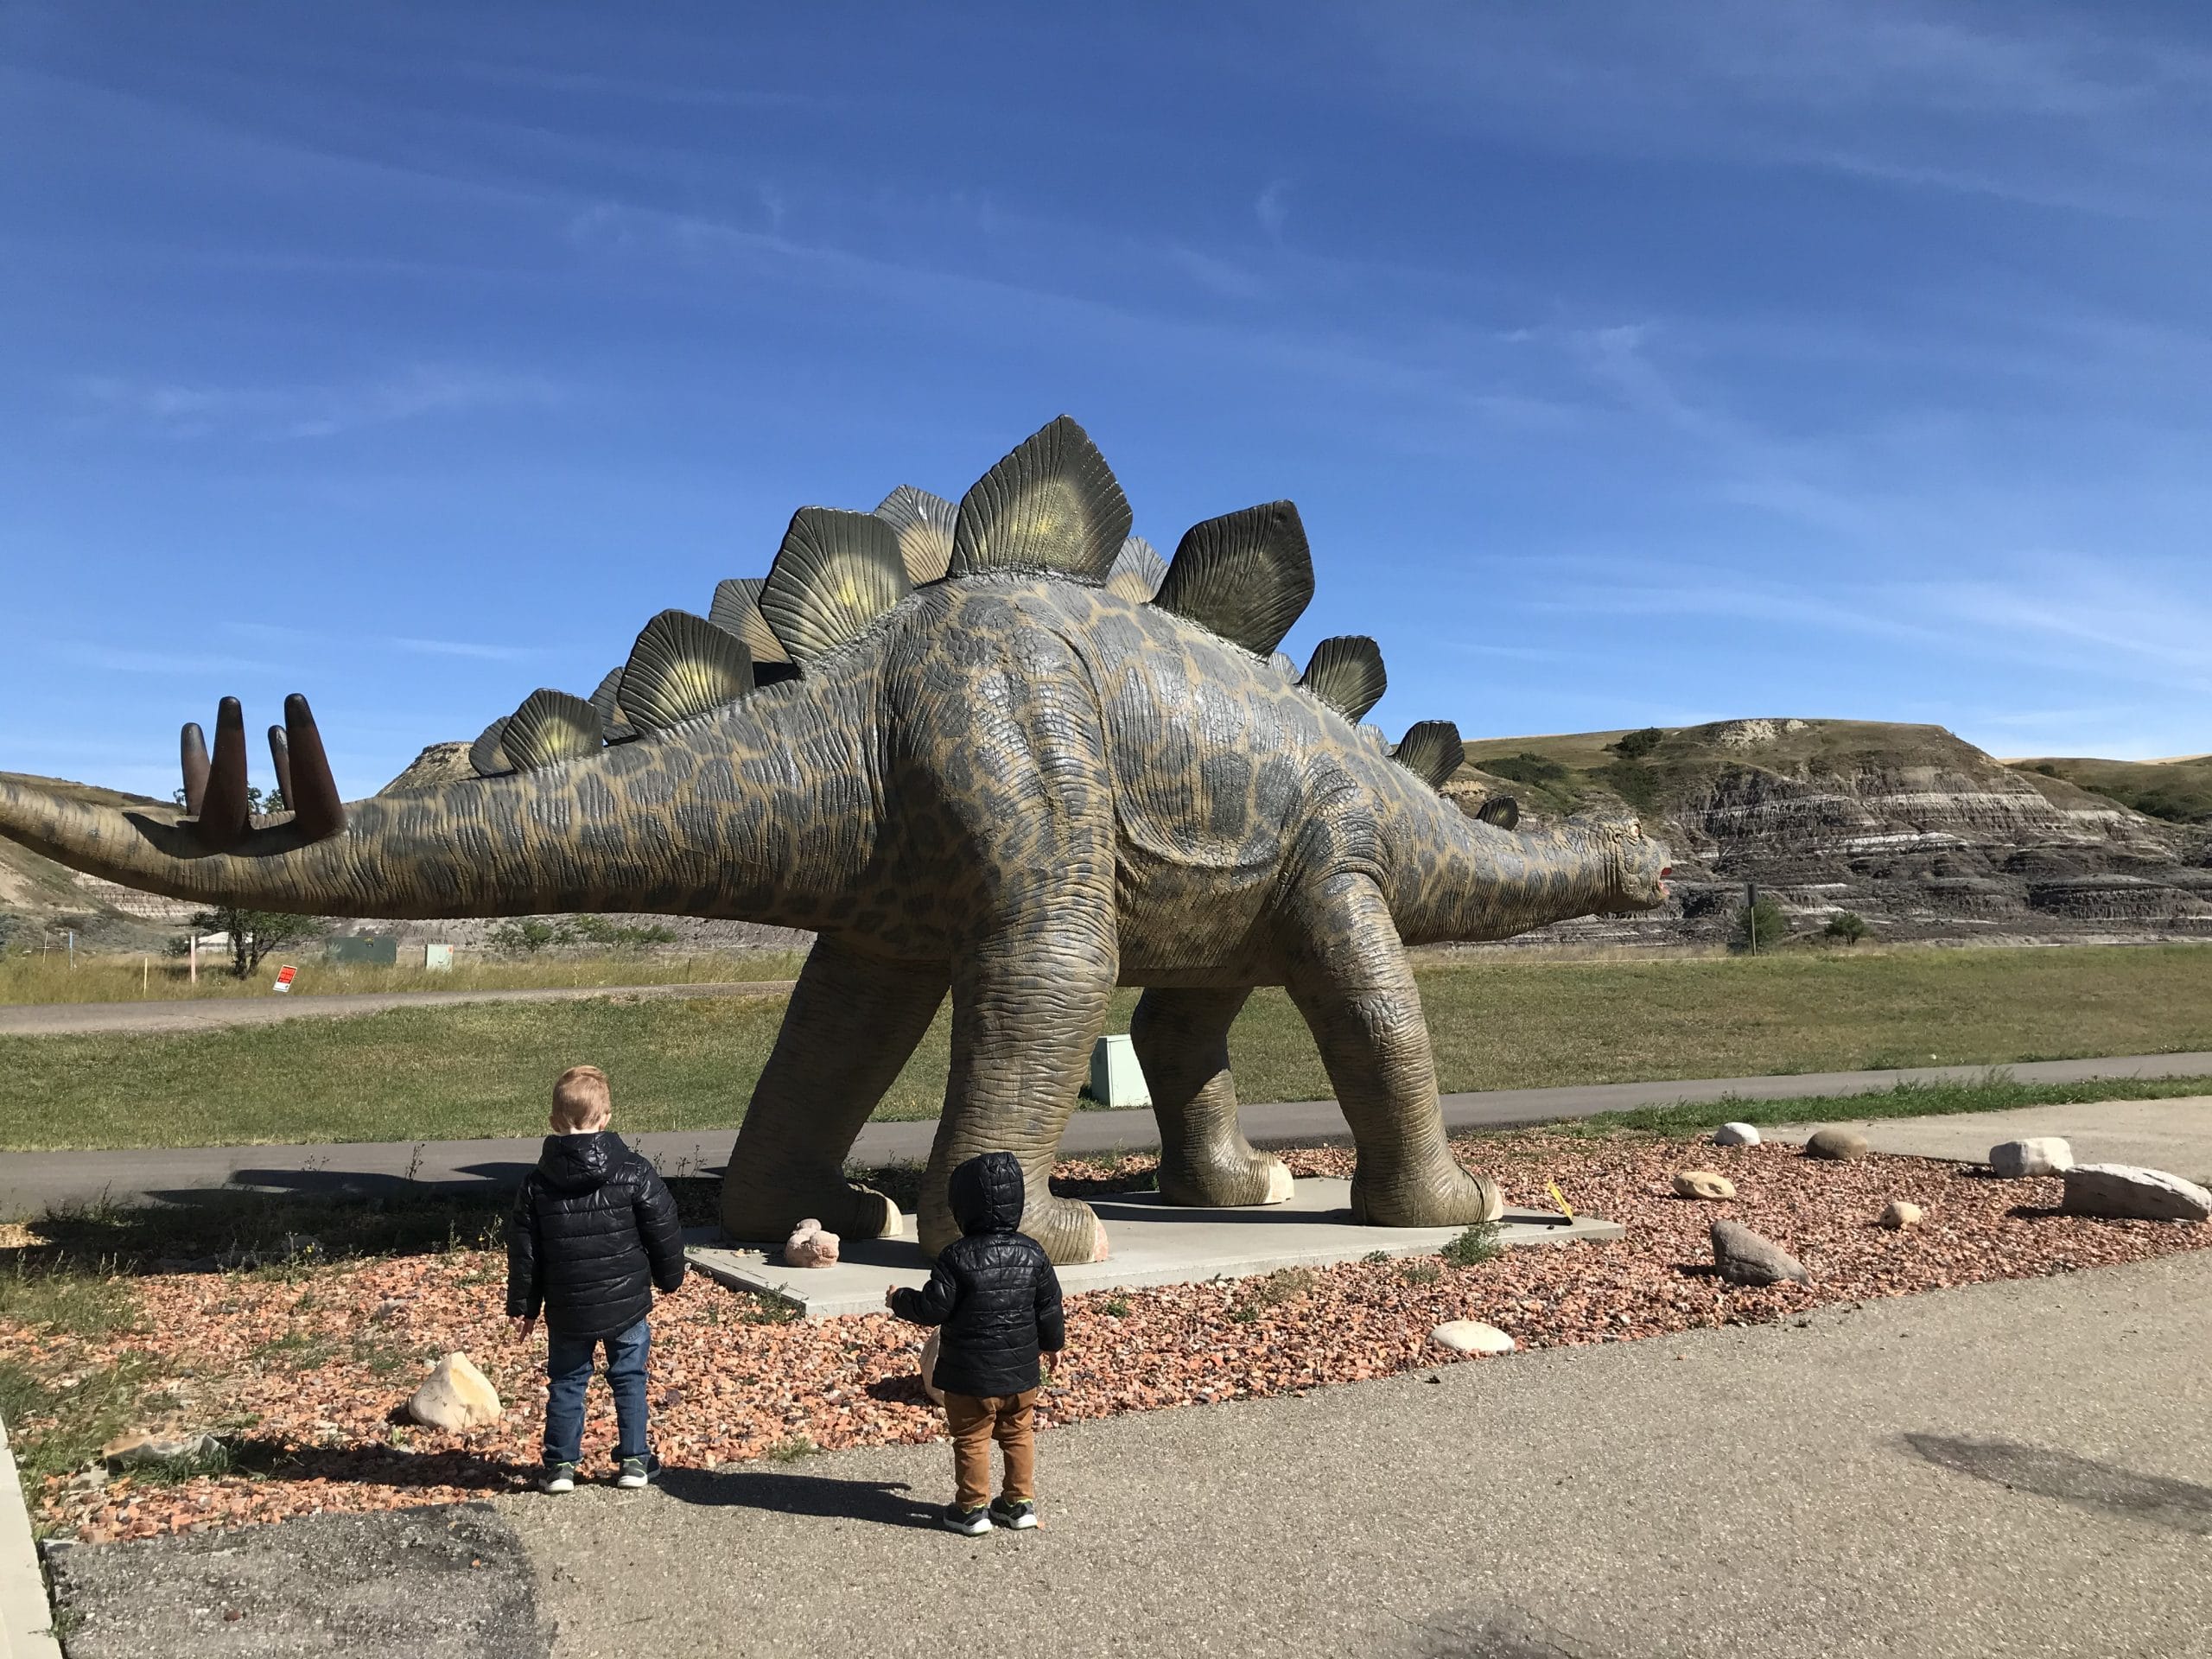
[(594, 1231), (996, 1302)]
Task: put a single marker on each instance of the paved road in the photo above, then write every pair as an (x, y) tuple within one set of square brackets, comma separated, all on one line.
[(34, 1181), (2174, 1135), (206, 1014), (2012, 1469)]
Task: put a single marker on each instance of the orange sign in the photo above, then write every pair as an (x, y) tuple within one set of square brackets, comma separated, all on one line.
[(285, 975)]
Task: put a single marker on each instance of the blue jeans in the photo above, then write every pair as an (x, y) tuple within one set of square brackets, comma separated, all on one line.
[(568, 1373)]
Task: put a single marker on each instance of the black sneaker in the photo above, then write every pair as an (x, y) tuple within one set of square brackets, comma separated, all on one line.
[(1021, 1516), (558, 1478), (636, 1472), (974, 1522)]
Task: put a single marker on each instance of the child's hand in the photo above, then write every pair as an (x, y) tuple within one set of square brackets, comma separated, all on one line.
[(524, 1328)]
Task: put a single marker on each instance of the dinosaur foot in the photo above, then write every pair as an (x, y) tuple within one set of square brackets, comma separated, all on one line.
[(758, 1206), (1232, 1180), (1437, 1195), (1069, 1230)]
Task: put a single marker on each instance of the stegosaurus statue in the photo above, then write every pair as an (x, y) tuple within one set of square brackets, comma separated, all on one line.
[(1002, 750)]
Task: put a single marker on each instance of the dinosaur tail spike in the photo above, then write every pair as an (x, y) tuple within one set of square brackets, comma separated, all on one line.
[(1346, 673), (1137, 571), (834, 575), (486, 756), (736, 610), (549, 728), (224, 814), (191, 746), (682, 665), (924, 523), (1431, 751), (1245, 576), (1052, 505), (280, 762)]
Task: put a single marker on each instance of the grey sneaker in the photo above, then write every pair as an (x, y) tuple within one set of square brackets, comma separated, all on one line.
[(558, 1478), (1020, 1515), (974, 1522), (636, 1472)]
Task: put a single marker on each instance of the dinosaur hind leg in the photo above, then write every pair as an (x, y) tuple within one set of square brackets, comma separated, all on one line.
[(1024, 1020), (852, 1024), (1181, 1039), (1350, 978)]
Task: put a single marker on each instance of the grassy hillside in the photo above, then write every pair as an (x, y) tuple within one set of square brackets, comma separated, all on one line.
[(484, 1069), (2177, 790)]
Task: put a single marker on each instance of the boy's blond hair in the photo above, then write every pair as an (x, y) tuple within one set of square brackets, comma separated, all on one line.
[(582, 1101)]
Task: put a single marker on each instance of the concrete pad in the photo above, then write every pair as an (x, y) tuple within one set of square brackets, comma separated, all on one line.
[(2174, 1135), (1153, 1243)]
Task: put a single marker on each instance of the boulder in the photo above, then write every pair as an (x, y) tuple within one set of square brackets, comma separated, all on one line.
[(1843, 1145), (1471, 1336), (1745, 1258), (456, 1396), (2125, 1192), (929, 1369), (1703, 1183), (1899, 1214), (1736, 1135), (809, 1246), (2043, 1154)]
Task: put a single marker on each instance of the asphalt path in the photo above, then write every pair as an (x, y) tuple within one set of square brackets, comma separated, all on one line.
[(32, 1182), (2010, 1469), (212, 1013)]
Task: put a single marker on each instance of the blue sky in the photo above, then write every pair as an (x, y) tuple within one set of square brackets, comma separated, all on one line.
[(1630, 363)]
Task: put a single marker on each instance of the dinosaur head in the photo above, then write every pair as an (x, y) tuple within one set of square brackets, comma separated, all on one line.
[(1639, 865)]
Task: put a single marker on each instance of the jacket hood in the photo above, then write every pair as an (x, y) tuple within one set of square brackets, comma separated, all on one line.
[(577, 1163), (987, 1193)]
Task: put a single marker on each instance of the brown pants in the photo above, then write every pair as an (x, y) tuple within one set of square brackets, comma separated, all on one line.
[(977, 1420)]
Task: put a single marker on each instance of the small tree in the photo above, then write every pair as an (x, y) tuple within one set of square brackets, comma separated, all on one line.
[(1634, 746), (255, 933), (1847, 925), (526, 936), (1761, 924)]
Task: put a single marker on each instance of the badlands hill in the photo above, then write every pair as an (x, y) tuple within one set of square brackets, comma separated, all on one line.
[(1919, 833)]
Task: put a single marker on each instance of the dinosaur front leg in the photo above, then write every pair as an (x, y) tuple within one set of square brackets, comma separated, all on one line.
[(1181, 1039), (1350, 978), (1024, 1015), (852, 1023)]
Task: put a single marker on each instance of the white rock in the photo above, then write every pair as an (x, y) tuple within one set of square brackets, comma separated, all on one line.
[(929, 1369), (2125, 1192), (2043, 1154), (1471, 1336), (456, 1396), (1736, 1135), (1900, 1214), (1703, 1183)]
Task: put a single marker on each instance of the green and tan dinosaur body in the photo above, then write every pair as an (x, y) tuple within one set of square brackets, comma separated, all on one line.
[(1042, 771)]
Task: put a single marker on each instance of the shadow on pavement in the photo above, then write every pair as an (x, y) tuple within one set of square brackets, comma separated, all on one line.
[(882, 1503), (2087, 1483)]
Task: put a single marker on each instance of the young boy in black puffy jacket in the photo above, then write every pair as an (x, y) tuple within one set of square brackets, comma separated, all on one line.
[(997, 1301), (594, 1231)]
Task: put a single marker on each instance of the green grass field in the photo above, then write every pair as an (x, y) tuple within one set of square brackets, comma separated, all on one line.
[(1500, 1022)]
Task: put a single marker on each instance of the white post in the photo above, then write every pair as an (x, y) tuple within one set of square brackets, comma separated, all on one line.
[(192, 954)]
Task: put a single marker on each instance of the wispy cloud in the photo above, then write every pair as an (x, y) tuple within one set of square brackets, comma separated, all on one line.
[(116, 660), (1272, 209), (479, 650), (185, 410)]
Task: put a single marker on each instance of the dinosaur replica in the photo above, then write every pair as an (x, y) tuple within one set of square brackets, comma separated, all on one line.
[(1002, 750)]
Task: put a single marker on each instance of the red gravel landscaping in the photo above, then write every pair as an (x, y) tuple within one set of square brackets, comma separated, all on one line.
[(303, 1372)]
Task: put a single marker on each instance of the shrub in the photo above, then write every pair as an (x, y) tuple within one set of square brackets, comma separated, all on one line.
[(1848, 926), (1761, 924), (1474, 1247), (1634, 746)]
